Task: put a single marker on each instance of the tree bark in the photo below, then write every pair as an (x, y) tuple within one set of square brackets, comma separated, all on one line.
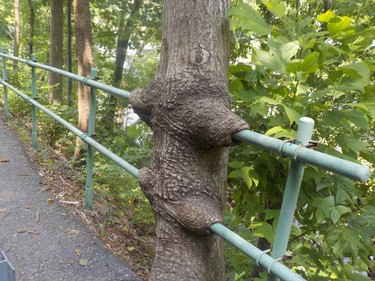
[(17, 31), (56, 50), (32, 26), (69, 48), (85, 61), (188, 109)]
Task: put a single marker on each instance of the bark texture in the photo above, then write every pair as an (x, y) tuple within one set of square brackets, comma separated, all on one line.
[(69, 61), (32, 26), (56, 50), (85, 60), (17, 31), (188, 108)]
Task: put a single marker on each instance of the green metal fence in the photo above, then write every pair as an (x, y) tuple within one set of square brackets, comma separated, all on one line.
[(297, 151)]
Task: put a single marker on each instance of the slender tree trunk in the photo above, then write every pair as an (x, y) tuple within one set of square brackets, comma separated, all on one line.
[(124, 33), (85, 63), (17, 31), (69, 48), (56, 50), (32, 26), (327, 5), (187, 107)]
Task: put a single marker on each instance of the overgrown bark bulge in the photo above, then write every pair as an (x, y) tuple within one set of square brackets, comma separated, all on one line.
[(188, 108)]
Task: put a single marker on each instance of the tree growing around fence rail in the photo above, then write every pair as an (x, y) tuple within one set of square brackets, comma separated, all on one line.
[(187, 106)]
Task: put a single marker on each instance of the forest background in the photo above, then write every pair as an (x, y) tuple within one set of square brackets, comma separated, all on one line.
[(288, 59)]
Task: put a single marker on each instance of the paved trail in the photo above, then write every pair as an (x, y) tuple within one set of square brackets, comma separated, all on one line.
[(42, 241)]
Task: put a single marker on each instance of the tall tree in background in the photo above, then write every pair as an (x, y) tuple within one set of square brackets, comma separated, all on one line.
[(124, 33), (69, 35), (85, 62), (187, 107), (17, 30), (32, 26), (56, 50)]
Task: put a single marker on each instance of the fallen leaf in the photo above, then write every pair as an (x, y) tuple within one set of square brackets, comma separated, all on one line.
[(78, 252), (28, 231), (37, 218), (130, 249), (72, 231), (84, 262), (3, 210), (4, 160), (50, 200)]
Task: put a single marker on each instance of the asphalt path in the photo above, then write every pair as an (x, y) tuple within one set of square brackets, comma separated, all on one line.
[(41, 239)]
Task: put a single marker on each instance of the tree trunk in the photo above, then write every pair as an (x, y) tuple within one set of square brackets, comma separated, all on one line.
[(17, 31), (32, 26), (187, 107), (56, 50), (327, 5), (69, 48), (85, 63), (124, 33)]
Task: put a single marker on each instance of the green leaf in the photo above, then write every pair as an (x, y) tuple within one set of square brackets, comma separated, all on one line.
[(368, 155), (292, 114), (134, 131), (326, 17), (235, 85), (249, 19), (335, 119), (351, 143), (310, 63), (323, 207), (263, 229), (245, 176), (338, 25), (274, 130), (357, 117), (363, 106), (267, 60), (325, 182), (357, 70), (276, 7), (358, 277), (240, 70), (346, 242), (236, 164), (279, 55), (249, 176), (338, 211)]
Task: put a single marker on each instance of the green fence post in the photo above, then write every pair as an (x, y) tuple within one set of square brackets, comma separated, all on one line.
[(290, 198), (34, 130), (5, 77), (90, 152)]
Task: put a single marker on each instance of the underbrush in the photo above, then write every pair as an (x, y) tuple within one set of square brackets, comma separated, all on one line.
[(121, 214)]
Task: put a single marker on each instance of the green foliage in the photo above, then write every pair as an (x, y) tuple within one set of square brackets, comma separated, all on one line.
[(289, 59), (310, 64)]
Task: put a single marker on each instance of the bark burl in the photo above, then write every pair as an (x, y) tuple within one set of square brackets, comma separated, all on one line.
[(188, 109)]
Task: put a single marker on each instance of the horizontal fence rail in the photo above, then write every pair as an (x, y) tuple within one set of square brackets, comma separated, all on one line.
[(298, 153), (302, 154), (84, 80), (83, 136), (330, 163)]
